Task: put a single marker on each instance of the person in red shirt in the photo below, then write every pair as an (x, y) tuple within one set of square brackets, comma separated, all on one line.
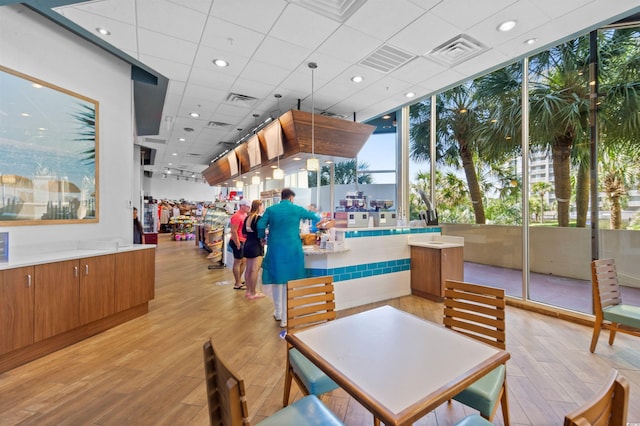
[(236, 242)]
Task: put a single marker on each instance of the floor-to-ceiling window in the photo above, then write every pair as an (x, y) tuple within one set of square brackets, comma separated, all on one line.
[(490, 182)]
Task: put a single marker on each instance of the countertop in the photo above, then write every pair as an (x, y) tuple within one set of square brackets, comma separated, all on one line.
[(17, 261), (435, 244), (314, 250)]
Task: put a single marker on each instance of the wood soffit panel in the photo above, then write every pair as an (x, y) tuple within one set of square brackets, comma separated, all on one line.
[(334, 138)]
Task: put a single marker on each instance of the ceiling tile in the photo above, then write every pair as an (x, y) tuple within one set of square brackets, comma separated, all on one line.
[(316, 28), (258, 15), (283, 54), (424, 34), (467, 13), (382, 19), (228, 37), (164, 46), (348, 44), (166, 17)]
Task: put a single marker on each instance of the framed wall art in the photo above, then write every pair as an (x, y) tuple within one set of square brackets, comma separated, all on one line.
[(48, 153)]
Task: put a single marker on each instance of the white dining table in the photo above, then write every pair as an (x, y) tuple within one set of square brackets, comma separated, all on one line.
[(398, 366)]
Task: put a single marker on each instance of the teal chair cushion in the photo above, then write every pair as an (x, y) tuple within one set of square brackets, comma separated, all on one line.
[(623, 314), (308, 411), (474, 420), (483, 393), (313, 378)]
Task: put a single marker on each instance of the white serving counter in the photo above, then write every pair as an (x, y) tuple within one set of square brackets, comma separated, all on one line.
[(375, 265)]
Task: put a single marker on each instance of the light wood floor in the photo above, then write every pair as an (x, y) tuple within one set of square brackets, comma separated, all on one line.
[(149, 371)]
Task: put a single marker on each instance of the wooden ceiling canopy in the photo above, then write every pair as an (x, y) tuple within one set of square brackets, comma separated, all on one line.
[(290, 135)]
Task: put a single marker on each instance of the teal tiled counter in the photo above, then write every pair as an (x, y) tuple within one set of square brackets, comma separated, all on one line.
[(375, 267)]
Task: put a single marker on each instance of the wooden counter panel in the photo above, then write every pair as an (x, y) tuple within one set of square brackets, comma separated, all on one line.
[(57, 298), (17, 293), (431, 267)]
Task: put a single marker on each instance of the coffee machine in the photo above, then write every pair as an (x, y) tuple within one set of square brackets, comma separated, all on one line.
[(353, 212), (382, 216)]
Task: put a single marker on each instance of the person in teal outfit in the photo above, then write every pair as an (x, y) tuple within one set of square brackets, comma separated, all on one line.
[(284, 259)]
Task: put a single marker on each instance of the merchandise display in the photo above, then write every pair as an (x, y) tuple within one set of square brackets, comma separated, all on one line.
[(182, 228), (216, 220)]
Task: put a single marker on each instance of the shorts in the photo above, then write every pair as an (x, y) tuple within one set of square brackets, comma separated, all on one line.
[(238, 252)]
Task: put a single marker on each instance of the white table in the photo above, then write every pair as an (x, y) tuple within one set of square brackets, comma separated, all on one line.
[(400, 367)]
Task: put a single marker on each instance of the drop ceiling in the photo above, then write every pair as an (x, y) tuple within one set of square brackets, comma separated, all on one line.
[(399, 46)]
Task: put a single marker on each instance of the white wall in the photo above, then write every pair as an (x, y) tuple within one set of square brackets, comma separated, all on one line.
[(172, 189), (39, 48)]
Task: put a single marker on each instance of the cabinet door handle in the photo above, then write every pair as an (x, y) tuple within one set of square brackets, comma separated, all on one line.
[(29, 280), (75, 271), (86, 269)]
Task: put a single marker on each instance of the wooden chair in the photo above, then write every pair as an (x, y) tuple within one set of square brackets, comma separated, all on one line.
[(228, 406), (478, 311), (610, 312), (310, 302), (607, 408)]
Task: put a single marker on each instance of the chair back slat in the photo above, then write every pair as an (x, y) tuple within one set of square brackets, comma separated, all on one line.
[(225, 392), (310, 301), (476, 311), (604, 280), (607, 408)]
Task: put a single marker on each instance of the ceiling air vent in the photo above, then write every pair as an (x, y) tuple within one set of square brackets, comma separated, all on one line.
[(217, 124), (386, 59), (338, 10), (237, 98), (457, 50)]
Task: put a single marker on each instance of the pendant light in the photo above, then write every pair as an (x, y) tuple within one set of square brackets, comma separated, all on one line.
[(312, 163), (278, 173)]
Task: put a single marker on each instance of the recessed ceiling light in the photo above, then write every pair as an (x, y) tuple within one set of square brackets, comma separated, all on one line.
[(530, 41), (506, 26), (220, 63), (328, 162), (182, 139), (36, 86), (170, 164), (296, 158), (409, 94), (357, 78), (386, 117), (194, 114), (103, 31), (25, 114), (174, 154)]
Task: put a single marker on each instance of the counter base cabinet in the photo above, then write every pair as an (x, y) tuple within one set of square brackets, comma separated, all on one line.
[(57, 298), (134, 278), (97, 288), (16, 308), (49, 306), (431, 267)]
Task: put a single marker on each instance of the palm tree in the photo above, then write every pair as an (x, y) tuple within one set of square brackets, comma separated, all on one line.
[(540, 189), (85, 116), (559, 107), (344, 173), (617, 172), (457, 120)]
